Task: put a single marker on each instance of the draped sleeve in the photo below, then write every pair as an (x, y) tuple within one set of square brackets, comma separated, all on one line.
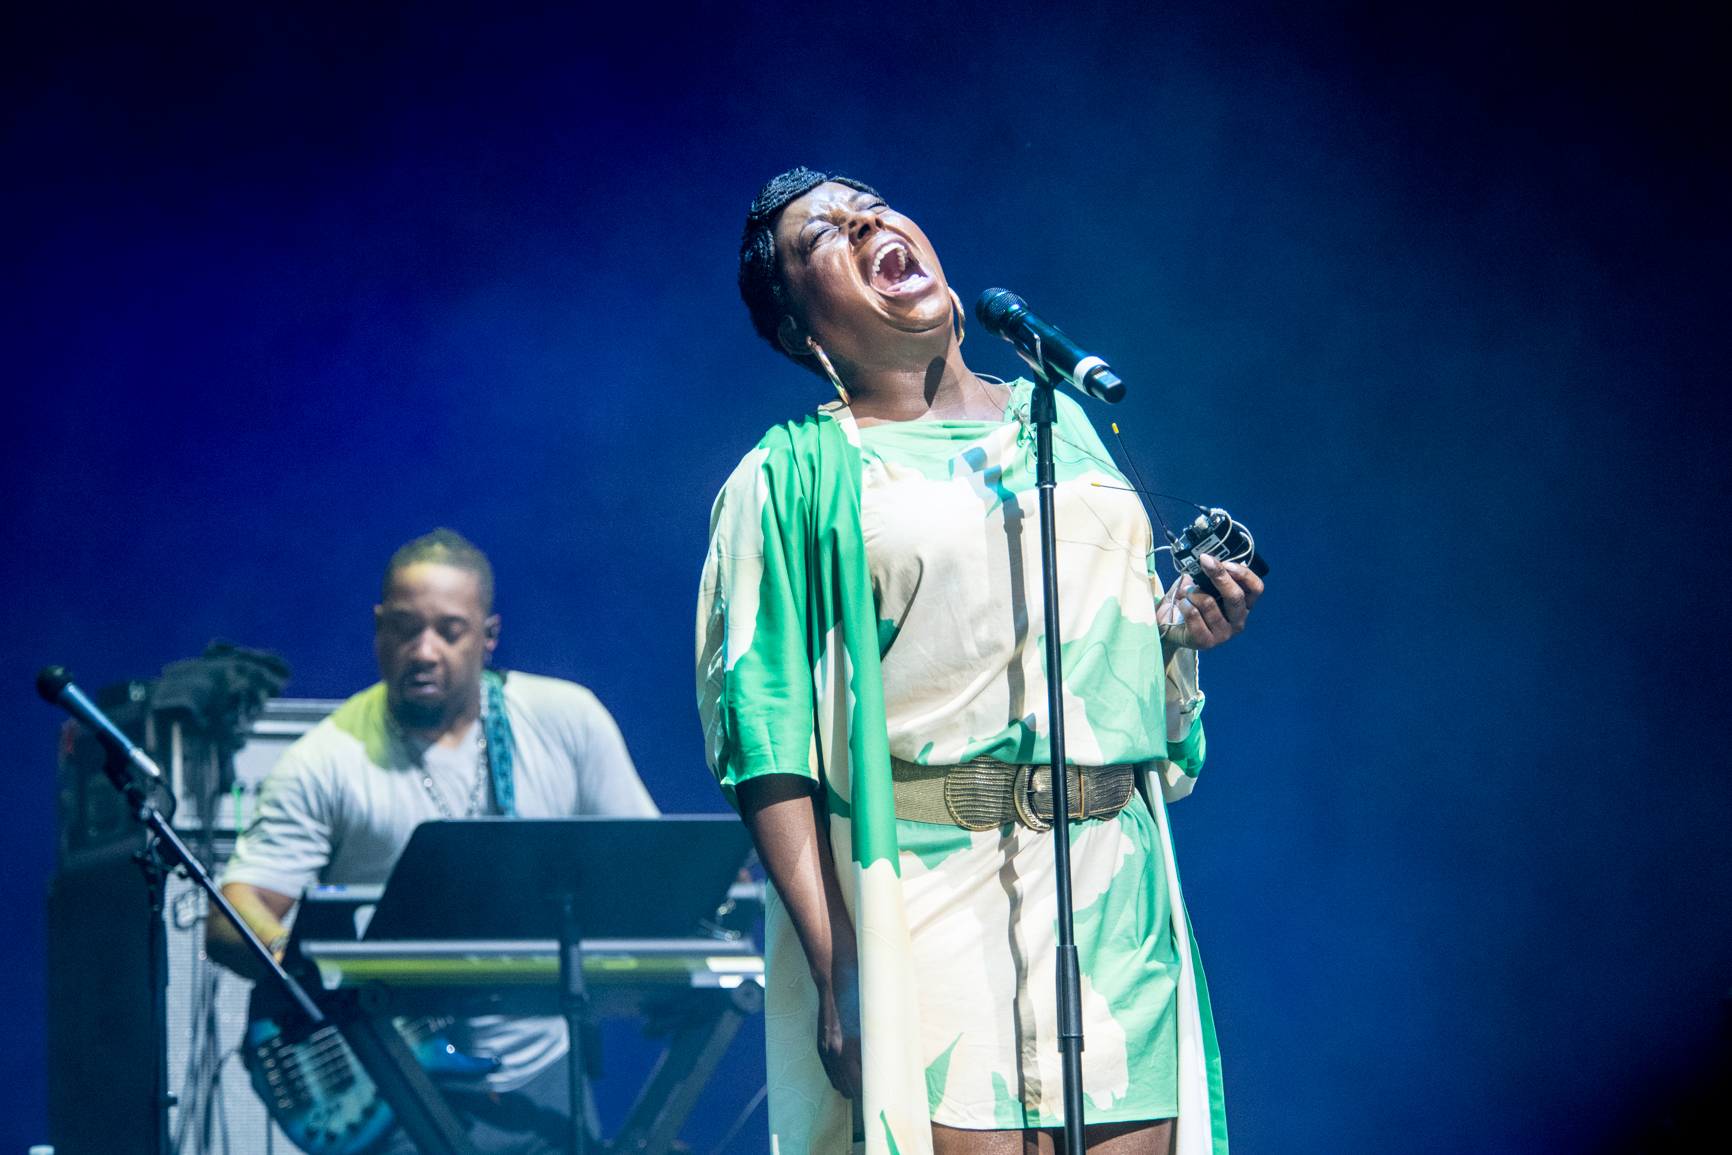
[(753, 666)]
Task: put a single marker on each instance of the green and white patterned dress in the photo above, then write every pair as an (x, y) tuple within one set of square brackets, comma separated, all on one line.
[(877, 592)]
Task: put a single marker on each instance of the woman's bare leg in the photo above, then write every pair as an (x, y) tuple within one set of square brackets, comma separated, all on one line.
[(1142, 1137), (956, 1141)]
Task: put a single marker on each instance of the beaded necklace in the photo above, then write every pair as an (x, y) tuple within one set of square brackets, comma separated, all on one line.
[(493, 758)]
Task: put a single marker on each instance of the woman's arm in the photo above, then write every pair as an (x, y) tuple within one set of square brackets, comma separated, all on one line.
[(781, 811)]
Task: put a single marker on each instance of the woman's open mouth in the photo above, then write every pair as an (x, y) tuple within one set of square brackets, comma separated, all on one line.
[(896, 270)]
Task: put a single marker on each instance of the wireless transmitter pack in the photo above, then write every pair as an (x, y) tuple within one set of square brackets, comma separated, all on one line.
[(1218, 535)]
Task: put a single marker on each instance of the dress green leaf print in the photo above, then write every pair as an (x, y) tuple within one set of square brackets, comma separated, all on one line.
[(876, 593)]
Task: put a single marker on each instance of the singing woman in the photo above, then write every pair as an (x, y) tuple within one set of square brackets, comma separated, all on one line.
[(872, 683)]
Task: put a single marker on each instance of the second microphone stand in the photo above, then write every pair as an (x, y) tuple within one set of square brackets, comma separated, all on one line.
[(423, 1113)]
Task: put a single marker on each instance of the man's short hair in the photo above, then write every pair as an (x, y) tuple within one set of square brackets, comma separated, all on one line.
[(443, 547), (761, 285)]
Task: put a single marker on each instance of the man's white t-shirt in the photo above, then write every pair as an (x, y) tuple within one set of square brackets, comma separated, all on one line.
[(339, 806)]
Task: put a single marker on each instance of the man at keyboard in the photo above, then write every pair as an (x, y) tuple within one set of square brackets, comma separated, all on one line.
[(440, 737)]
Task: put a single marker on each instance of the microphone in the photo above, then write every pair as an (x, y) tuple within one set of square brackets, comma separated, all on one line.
[(1050, 352), (57, 688)]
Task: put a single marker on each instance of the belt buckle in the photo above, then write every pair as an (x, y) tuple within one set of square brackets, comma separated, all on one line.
[(1024, 791), (1022, 796)]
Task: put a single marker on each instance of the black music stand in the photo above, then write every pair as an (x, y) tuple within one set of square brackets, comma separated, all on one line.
[(563, 879)]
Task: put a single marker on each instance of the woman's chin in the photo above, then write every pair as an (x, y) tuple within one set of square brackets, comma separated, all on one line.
[(924, 319), (916, 309)]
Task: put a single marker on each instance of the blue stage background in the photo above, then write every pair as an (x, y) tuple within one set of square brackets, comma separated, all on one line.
[(1432, 297)]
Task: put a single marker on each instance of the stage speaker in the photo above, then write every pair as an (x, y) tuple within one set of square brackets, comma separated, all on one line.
[(107, 960)]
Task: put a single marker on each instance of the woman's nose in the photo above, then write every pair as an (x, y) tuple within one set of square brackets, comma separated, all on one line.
[(862, 225)]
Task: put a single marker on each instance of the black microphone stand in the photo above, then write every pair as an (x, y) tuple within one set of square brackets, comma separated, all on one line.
[(1006, 315), (1043, 411)]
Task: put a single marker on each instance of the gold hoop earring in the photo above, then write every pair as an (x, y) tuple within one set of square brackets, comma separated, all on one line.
[(956, 316), (829, 370)]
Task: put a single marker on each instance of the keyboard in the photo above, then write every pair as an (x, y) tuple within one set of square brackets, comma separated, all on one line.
[(521, 977)]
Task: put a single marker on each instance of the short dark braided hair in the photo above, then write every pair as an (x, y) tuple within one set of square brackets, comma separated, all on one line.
[(443, 547), (761, 285)]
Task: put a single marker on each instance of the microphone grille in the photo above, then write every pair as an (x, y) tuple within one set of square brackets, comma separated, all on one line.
[(51, 681), (996, 308)]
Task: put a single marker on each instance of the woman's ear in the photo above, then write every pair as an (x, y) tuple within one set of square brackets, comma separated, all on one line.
[(794, 339)]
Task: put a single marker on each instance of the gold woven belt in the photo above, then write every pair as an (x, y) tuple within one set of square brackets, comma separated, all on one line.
[(983, 792)]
